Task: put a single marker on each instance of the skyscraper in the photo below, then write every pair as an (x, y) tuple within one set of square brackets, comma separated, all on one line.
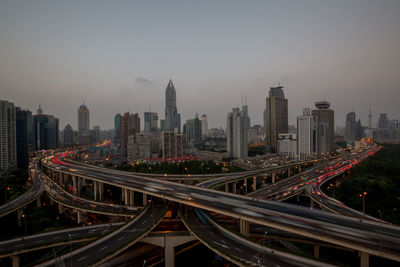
[(83, 124), (245, 109), (68, 135), (151, 122), (193, 129), (117, 128), (350, 126), (276, 117), (325, 123), (24, 136), (306, 134), (237, 126), (8, 153), (204, 125), (383, 121), (172, 117), (369, 119), (46, 130), (130, 125)]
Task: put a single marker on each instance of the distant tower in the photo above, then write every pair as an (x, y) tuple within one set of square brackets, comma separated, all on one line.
[(245, 109), (172, 117), (83, 125), (325, 123), (237, 141), (276, 117), (204, 125), (370, 119)]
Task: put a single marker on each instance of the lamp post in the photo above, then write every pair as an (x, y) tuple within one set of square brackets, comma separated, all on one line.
[(24, 216), (363, 195)]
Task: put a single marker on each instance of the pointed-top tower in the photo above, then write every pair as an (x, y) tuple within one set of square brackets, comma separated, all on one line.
[(39, 110), (172, 117)]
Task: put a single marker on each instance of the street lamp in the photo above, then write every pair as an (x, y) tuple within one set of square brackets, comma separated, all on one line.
[(24, 216), (363, 197), (6, 194)]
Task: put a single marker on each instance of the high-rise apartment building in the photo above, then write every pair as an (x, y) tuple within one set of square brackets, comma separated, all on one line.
[(306, 134), (117, 128), (383, 121), (8, 147), (151, 122), (46, 130), (276, 117), (237, 126), (24, 136), (173, 144), (325, 125), (83, 124), (130, 125), (245, 109), (192, 129), (350, 126), (96, 134), (172, 117), (287, 145), (68, 136), (204, 125), (139, 147)]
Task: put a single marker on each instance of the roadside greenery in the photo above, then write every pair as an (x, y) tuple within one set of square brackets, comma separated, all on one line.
[(379, 177)]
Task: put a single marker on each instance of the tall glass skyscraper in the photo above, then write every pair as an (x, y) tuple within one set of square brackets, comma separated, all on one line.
[(172, 117)]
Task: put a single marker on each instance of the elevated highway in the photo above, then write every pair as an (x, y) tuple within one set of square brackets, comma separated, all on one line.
[(368, 237)]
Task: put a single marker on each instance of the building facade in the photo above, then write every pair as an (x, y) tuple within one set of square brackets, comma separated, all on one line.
[(204, 125), (151, 122), (237, 141), (83, 125), (350, 127), (173, 144), (325, 126), (45, 131), (24, 136), (8, 146), (276, 117), (306, 134), (193, 131), (68, 136), (130, 125), (287, 145), (117, 128)]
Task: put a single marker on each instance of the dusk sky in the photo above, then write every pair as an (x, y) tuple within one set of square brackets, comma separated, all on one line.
[(119, 55)]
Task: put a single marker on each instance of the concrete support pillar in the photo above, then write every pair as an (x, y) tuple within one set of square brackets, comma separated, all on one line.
[(122, 194), (244, 228), (226, 187), (95, 190), (15, 260), (288, 171), (19, 213), (316, 251), (132, 198), (75, 185), (273, 177), (126, 195), (169, 252), (364, 259), (312, 204), (144, 199), (101, 191), (79, 186), (254, 183), (60, 177), (234, 187), (79, 217), (246, 186), (38, 202), (60, 209), (298, 198)]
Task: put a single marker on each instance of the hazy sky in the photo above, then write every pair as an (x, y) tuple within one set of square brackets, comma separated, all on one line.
[(119, 56)]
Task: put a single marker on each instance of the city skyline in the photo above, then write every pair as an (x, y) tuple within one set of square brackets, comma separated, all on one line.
[(119, 57)]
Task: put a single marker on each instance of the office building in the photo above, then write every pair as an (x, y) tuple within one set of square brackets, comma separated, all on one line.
[(306, 134), (139, 147), (172, 117), (24, 136), (204, 125), (68, 136), (276, 117), (130, 125), (192, 129), (96, 134), (151, 122), (237, 126), (350, 127), (287, 145), (45, 131), (383, 121), (173, 144), (325, 123), (83, 125), (8, 146), (117, 128), (245, 109)]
